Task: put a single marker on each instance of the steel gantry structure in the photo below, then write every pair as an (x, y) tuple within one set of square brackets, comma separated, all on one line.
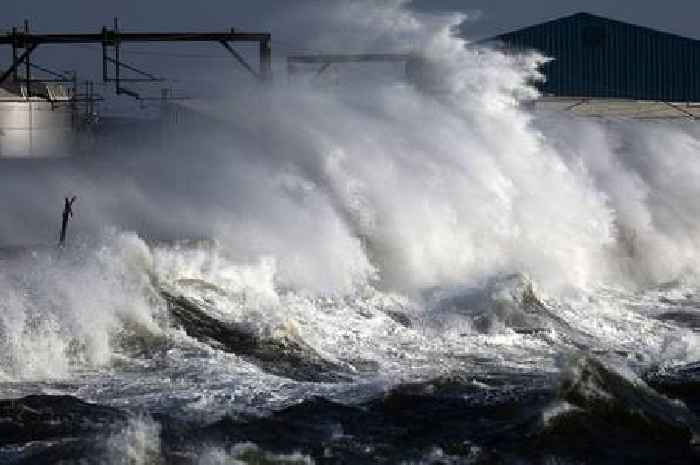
[(24, 43)]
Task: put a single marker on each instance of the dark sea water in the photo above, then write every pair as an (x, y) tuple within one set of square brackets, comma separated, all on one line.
[(183, 357)]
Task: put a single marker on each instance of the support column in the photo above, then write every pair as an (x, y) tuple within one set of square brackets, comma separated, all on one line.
[(14, 53), (266, 60), (116, 56), (28, 63), (105, 74)]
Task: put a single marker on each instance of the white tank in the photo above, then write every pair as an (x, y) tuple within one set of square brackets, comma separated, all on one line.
[(36, 127)]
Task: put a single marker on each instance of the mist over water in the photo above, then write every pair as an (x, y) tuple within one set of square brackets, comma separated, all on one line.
[(392, 230)]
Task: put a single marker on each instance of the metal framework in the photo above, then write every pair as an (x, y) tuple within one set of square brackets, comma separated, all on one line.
[(326, 60), (27, 43)]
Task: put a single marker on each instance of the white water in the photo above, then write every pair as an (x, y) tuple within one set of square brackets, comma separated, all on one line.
[(362, 200), (137, 444)]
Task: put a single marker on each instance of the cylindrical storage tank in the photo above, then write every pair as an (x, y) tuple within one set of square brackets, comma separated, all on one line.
[(36, 129)]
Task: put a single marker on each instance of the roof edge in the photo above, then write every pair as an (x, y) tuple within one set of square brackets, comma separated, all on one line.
[(586, 15)]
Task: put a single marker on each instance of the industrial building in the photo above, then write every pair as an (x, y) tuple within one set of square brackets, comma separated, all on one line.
[(597, 57), (42, 113)]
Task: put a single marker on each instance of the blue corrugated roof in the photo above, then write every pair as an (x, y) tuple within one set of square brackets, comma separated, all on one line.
[(601, 57), (583, 16)]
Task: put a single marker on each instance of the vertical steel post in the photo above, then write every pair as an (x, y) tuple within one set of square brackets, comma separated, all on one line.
[(105, 74), (14, 52), (29, 88), (74, 101), (28, 71), (87, 102), (116, 55), (266, 59)]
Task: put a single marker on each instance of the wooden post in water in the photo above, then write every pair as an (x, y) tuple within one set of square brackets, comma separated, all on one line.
[(67, 213)]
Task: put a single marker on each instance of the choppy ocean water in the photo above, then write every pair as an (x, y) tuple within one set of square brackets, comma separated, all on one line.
[(220, 365)]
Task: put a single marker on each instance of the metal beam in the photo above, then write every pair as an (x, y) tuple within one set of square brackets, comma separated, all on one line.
[(131, 93), (577, 104), (49, 80), (349, 58), (17, 63), (322, 70), (328, 59), (38, 39), (681, 110), (61, 77), (121, 64), (240, 59)]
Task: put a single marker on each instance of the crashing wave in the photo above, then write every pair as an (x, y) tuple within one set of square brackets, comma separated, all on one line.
[(284, 355)]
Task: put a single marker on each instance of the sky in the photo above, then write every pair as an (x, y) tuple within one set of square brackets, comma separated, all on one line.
[(491, 16)]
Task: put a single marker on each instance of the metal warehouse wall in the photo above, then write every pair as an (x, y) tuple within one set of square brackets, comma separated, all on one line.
[(599, 57)]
